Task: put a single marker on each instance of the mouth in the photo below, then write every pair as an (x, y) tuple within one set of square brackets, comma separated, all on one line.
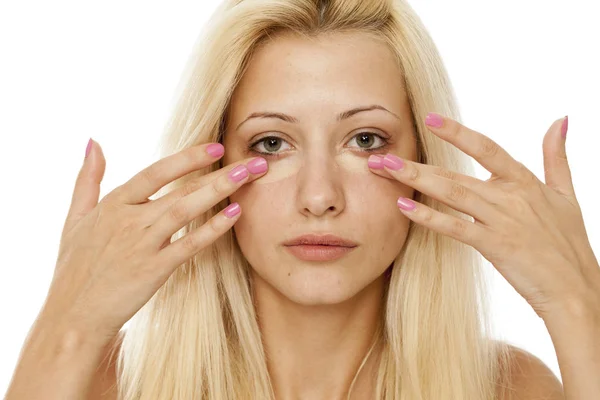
[(318, 252)]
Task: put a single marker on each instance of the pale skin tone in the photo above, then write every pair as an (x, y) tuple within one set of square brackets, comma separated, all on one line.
[(318, 321)]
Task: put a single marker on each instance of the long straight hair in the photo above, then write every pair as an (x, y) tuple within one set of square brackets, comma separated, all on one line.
[(198, 336)]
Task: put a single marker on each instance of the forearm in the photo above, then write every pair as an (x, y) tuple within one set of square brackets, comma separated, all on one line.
[(575, 333), (55, 363)]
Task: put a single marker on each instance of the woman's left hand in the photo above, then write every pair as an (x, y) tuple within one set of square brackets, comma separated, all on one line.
[(532, 233)]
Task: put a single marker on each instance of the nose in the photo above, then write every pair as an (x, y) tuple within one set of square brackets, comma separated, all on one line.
[(319, 186)]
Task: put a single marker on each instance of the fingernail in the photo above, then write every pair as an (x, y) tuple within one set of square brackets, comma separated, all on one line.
[(565, 126), (393, 162), (88, 148), (434, 120), (238, 173), (375, 162), (232, 210), (257, 166), (215, 149), (406, 204)]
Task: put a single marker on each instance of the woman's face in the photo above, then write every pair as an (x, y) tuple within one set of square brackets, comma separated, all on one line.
[(318, 179)]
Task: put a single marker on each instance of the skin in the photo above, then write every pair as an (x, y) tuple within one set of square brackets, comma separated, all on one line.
[(318, 318)]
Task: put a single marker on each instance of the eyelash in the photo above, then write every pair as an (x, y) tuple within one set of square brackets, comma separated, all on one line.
[(386, 143)]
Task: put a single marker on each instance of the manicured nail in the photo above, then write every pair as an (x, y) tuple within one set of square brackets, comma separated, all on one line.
[(406, 204), (565, 126), (375, 162), (238, 173), (232, 210), (393, 162), (434, 120), (257, 166), (88, 148), (215, 149)]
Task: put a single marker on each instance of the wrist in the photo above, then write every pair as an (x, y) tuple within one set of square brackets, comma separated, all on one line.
[(577, 312), (67, 337)]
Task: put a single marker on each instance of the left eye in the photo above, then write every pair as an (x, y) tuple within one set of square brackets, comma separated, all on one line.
[(363, 137), (367, 135)]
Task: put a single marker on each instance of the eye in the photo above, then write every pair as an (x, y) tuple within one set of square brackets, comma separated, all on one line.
[(364, 138), (273, 143)]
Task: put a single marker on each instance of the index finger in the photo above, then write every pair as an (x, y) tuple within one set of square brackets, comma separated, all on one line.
[(484, 150), (152, 178)]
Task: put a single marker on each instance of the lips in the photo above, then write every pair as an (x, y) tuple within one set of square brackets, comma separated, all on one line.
[(321, 240), (318, 252)]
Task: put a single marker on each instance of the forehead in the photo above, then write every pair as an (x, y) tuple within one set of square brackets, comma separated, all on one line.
[(337, 70)]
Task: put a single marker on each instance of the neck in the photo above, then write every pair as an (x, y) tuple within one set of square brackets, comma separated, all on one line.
[(315, 350)]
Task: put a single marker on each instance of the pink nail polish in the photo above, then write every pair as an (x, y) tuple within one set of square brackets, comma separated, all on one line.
[(238, 173), (232, 210), (565, 127), (257, 166), (434, 120), (88, 148), (393, 162), (406, 204), (215, 149), (375, 162)]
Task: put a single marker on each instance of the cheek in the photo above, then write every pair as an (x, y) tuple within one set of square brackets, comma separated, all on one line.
[(262, 213), (374, 210)]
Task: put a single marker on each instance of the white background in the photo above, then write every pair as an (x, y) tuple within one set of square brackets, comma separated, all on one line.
[(70, 70)]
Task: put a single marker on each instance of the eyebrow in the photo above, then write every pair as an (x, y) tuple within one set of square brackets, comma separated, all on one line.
[(341, 116)]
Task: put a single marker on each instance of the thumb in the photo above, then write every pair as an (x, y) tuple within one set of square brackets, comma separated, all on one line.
[(87, 185), (556, 165)]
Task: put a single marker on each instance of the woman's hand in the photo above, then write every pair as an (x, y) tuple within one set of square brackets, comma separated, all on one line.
[(533, 233), (114, 255)]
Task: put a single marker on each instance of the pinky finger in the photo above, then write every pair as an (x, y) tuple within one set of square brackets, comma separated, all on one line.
[(187, 246), (457, 228)]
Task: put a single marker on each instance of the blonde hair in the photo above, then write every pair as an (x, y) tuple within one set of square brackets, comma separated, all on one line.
[(198, 337)]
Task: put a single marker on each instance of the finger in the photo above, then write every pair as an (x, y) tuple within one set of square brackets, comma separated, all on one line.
[(148, 181), (257, 167), (87, 186), (487, 192), (375, 162), (191, 206), (556, 165), (184, 248), (451, 192), (484, 150), (460, 229)]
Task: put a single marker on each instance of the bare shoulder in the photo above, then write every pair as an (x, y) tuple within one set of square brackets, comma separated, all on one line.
[(104, 384), (531, 378)]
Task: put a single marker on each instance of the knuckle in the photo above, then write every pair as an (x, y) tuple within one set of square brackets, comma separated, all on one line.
[(220, 186), (414, 175), (506, 245), (458, 227), (487, 148), (189, 243), (213, 225), (189, 188), (453, 130), (426, 215), (178, 212), (444, 173), (457, 192), (149, 175)]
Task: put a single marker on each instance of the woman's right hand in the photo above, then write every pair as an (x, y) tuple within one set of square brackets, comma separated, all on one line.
[(114, 255)]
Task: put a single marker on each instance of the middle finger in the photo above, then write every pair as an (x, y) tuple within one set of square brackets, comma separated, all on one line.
[(160, 205), (460, 192)]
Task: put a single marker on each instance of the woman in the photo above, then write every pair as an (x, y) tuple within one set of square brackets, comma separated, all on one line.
[(321, 110)]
